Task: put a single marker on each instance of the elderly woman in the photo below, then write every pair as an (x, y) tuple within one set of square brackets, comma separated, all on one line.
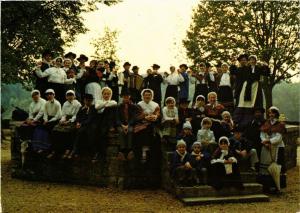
[(57, 78), (273, 146)]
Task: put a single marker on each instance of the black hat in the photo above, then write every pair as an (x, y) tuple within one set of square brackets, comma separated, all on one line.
[(261, 109), (135, 67), (237, 128), (70, 54), (126, 64), (88, 96), (82, 57), (219, 64), (47, 52), (125, 92), (155, 66), (112, 64), (207, 65), (183, 65), (243, 56), (183, 101)]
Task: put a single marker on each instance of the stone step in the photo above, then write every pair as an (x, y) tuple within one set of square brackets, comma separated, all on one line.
[(208, 191), (228, 199)]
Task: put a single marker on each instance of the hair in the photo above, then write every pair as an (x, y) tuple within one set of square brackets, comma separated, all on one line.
[(170, 99), (106, 88), (226, 113), (206, 120), (212, 93), (34, 93)]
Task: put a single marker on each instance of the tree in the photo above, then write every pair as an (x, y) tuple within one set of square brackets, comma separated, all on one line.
[(268, 29), (106, 46), (28, 28)]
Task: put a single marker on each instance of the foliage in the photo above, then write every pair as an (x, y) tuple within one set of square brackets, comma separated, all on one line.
[(30, 27), (106, 46)]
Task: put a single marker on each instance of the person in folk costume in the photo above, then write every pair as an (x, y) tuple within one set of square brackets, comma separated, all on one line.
[(67, 64), (145, 130), (112, 81), (184, 86), (212, 86), (42, 82), (62, 134), (104, 121), (224, 170), (243, 149), (184, 113), (135, 85), (71, 73), (201, 79), (83, 141), (169, 119), (35, 117), (72, 57), (225, 94), (206, 136), (153, 81), (57, 78), (198, 113), (248, 92), (92, 85), (273, 146), (227, 123), (252, 129), (187, 135), (200, 161), (124, 76), (181, 170), (214, 111), (51, 116), (104, 73), (126, 118), (218, 73), (173, 81), (81, 68)]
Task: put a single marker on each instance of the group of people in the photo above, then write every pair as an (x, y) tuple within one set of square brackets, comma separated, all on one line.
[(208, 141)]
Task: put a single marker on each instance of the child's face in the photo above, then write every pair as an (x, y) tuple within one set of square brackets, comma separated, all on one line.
[(212, 99), (206, 125), (197, 149), (35, 97), (170, 104), (88, 102), (50, 96), (226, 118), (126, 99), (187, 131), (223, 145), (70, 98), (181, 149), (71, 74), (271, 115), (106, 95), (67, 63), (237, 135), (224, 68)]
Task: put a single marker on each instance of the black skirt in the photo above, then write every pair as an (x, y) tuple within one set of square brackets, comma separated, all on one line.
[(172, 91), (59, 90), (201, 89), (225, 94)]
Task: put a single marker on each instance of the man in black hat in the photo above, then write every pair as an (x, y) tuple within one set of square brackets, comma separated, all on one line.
[(135, 84), (153, 81), (72, 57), (184, 86), (42, 83), (124, 76)]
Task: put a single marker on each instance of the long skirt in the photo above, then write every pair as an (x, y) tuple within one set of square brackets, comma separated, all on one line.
[(94, 89), (172, 91), (60, 91), (201, 89), (225, 95)]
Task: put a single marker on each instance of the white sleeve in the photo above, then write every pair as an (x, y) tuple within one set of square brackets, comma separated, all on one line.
[(264, 136), (217, 161), (41, 112), (276, 139), (41, 74), (45, 117), (180, 77), (80, 74), (165, 117), (212, 77), (30, 112), (212, 137), (78, 106), (99, 104), (58, 113)]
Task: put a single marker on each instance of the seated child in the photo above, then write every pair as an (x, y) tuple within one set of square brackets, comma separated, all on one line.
[(224, 167), (187, 135), (200, 161), (170, 118), (227, 123), (198, 113), (206, 137), (181, 170), (243, 148)]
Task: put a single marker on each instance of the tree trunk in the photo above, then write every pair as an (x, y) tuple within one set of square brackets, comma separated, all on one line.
[(268, 95)]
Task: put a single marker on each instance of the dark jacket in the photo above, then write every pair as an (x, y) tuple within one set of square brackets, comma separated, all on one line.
[(132, 115), (176, 161), (242, 144), (85, 117)]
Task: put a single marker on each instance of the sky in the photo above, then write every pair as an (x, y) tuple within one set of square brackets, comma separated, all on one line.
[(150, 31)]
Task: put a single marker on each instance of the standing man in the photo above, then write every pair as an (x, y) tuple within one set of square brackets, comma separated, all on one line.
[(184, 86), (153, 81)]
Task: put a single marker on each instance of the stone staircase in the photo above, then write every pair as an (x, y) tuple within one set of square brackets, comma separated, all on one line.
[(204, 194)]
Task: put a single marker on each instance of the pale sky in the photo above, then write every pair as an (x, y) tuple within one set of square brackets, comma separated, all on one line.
[(147, 29)]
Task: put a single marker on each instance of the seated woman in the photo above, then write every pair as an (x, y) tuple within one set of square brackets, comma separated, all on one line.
[(145, 130), (62, 134), (52, 114), (57, 78), (198, 113), (126, 117), (214, 111), (104, 121), (227, 123), (35, 117), (206, 137), (181, 170), (169, 119), (224, 167), (83, 123), (273, 146)]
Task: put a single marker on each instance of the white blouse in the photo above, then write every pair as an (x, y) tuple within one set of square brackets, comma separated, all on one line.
[(70, 109), (52, 108), (36, 109), (225, 79), (194, 80), (148, 108), (174, 79), (169, 114), (100, 105), (55, 75)]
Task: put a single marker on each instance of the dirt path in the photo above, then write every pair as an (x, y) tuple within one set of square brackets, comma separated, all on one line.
[(26, 196)]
